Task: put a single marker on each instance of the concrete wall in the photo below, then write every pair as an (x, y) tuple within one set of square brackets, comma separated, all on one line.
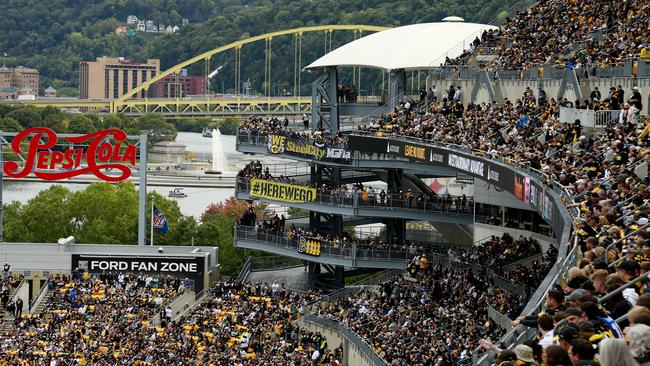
[(513, 89), (487, 193), (23, 293), (182, 303), (482, 231), (352, 355)]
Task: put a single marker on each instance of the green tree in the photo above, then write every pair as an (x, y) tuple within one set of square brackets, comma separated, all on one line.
[(81, 124), (9, 124), (56, 122), (105, 213), (43, 219), (156, 127), (27, 116), (297, 212)]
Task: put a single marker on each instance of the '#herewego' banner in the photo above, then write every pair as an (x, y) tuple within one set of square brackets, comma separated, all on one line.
[(281, 191)]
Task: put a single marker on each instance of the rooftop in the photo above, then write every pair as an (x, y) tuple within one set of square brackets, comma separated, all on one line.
[(416, 46)]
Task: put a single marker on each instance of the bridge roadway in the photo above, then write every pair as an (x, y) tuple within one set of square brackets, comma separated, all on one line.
[(219, 106)]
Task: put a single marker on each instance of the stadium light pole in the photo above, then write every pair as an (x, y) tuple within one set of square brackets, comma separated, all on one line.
[(143, 191), (2, 173)]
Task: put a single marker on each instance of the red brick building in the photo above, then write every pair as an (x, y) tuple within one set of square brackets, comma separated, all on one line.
[(180, 86)]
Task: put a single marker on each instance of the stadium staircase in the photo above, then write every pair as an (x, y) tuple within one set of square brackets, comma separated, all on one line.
[(8, 318), (40, 302)]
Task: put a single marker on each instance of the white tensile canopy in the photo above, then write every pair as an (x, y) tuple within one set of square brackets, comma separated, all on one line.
[(416, 46)]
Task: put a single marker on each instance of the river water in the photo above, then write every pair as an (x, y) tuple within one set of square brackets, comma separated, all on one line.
[(197, 199)]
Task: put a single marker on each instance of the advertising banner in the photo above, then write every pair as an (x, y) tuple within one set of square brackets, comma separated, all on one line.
[(100, 151), (309, 246), (281, 191), (181, 267), (307, 148), (419, 152)]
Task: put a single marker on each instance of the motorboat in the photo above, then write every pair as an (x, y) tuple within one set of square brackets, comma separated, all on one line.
[(206, 132), (177, 193)]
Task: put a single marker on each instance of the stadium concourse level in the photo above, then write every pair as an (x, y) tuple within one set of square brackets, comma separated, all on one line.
[(366, 194), (531, 36)]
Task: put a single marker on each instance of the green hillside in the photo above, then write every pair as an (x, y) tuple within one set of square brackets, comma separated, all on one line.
[(53, 36)]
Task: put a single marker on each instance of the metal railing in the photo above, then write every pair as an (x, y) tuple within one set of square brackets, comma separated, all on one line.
[(604, 118), (273, 262), (350, 251), (356, 287), (367, 351), (522, 262), (39, 297), (392, 201), (500, 319), (295, 169), (616, 242), (245, 270)]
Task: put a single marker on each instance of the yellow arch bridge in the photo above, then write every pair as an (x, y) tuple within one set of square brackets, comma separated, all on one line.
[(136, 101)]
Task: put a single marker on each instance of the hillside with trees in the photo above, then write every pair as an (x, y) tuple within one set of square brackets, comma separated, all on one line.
[(53, 36)]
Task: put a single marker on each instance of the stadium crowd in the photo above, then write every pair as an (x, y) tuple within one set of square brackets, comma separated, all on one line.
[(239, 324), (432, 316), (88, 320), (597, 33), (595, 169)]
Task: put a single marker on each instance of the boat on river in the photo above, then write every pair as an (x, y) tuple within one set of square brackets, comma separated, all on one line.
[(177, 193)]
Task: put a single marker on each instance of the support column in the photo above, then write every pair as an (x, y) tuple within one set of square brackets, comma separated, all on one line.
[(325, 107), (397, 82), (395, 230)]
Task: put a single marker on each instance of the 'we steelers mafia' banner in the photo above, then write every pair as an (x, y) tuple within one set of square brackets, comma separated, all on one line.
[(306, 148), (281, 191)]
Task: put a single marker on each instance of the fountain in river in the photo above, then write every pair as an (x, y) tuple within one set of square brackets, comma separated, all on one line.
[(218, 157)]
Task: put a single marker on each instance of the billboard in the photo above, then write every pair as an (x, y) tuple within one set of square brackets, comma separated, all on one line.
[(521, 186), (182, 267), (307, 148), (420, 152), (281, 191), (102, 150)]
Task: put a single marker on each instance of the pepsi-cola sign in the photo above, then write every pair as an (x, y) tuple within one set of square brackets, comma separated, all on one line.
[(48, 164)]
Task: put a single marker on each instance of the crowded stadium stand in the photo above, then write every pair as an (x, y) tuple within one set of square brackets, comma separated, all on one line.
[(529, 121), (530, 186)]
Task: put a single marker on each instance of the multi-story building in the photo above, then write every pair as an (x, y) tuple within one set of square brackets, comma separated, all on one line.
[(180, 86), (110, 78), (131, 19), (19, 80)]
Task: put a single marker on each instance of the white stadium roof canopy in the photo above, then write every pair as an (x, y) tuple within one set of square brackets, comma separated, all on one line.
[(416, 46)]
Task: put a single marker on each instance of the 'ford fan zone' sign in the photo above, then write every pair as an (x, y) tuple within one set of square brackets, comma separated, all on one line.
[(56, 164)]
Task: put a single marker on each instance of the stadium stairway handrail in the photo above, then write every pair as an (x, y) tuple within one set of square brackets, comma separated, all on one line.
[(245, 270), (615, 243), (39, 297), (643, 277), (346, 332)]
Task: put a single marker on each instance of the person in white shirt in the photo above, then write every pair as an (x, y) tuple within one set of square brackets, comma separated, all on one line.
[(458, 95), (545, 326)]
